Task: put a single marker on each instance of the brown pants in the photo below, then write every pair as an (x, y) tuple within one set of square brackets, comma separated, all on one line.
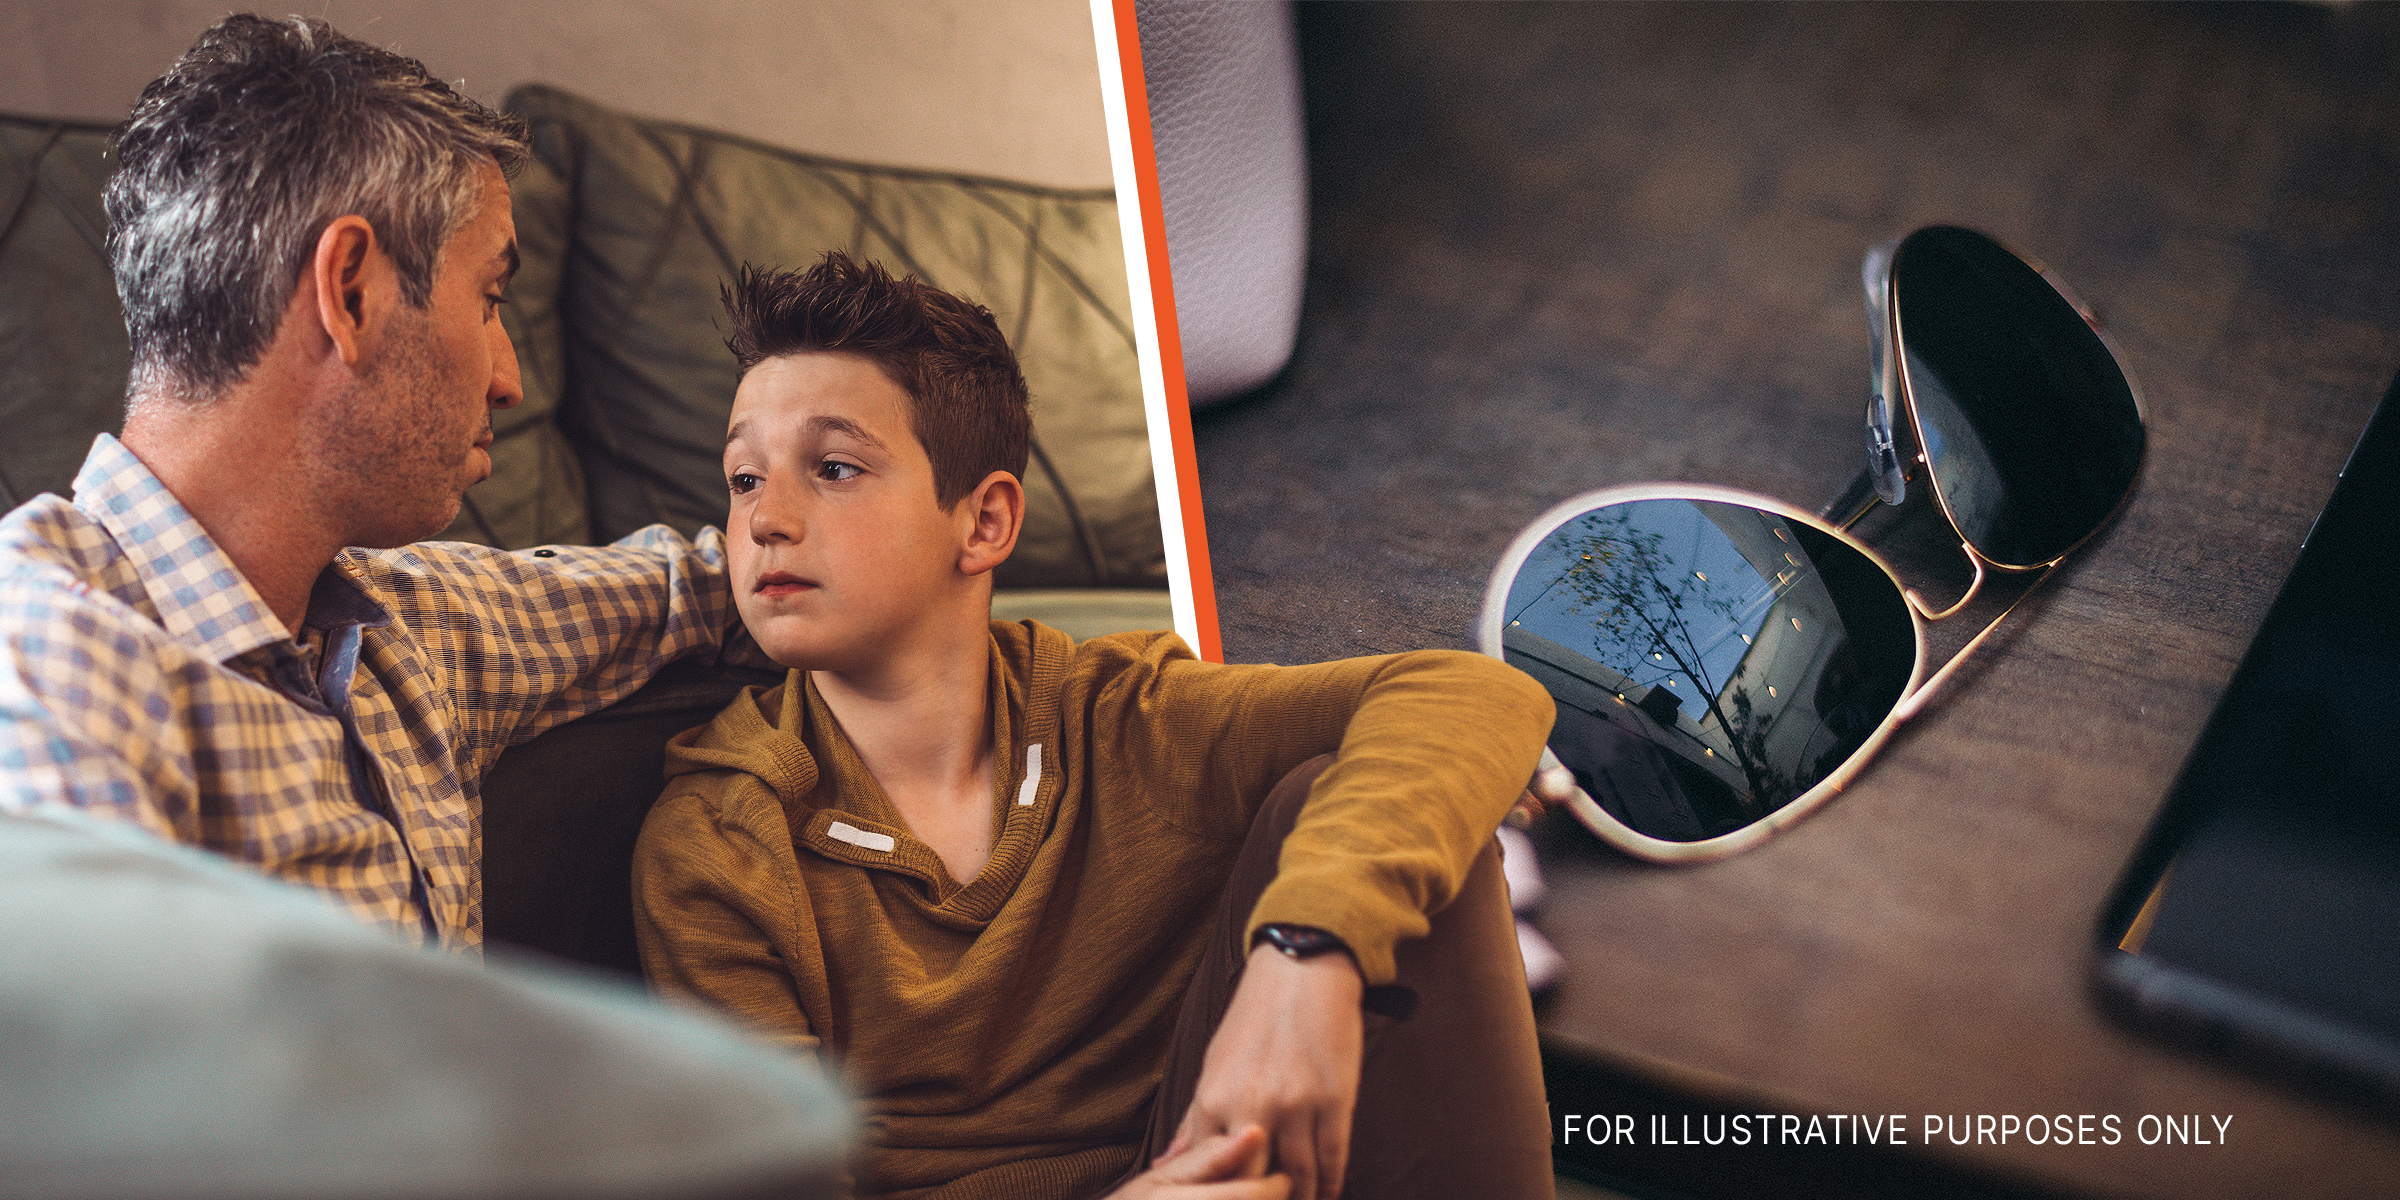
[(1450, 1099)]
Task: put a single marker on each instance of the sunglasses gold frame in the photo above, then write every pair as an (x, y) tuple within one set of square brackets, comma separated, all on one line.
[(1836, 522)]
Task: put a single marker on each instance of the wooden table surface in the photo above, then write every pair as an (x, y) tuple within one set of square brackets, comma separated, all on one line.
[(1562, 247)]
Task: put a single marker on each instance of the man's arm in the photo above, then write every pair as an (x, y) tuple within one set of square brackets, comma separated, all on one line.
[(535, 638)]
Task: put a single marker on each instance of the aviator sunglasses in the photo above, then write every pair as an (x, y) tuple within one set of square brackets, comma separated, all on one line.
[(1723, 662)]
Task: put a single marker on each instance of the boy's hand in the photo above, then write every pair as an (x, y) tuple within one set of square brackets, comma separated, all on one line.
[(1553, 784), (1226, 1167), (1286, 1058)]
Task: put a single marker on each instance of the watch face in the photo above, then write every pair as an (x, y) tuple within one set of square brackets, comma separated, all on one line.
[(1300, 941)]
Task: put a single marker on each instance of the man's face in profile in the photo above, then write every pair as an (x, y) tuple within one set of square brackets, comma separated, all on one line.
[(415, 431)]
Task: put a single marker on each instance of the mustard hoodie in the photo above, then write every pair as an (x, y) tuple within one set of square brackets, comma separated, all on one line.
[(1005, 1036)]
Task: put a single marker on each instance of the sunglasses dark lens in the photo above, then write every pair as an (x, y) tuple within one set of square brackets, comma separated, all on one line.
[(1711, 662), (2030, 429)]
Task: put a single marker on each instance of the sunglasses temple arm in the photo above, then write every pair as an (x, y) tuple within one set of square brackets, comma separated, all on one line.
[(1854, 502), (1923, 696)]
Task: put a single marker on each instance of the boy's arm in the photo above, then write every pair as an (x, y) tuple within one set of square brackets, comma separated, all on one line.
[(1438, 750), (1433, 750), (705, 896), (1286, 1057)]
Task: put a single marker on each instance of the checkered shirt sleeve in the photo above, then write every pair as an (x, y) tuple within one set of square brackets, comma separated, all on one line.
[(136, 685)]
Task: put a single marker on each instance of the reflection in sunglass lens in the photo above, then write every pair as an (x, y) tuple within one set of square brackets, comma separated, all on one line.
[(1711, 662), (2030, 429)]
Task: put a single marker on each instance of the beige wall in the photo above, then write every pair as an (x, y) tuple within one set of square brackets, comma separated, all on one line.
[(1009, 89)]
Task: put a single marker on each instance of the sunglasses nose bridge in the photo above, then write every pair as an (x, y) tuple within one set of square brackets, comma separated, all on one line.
[(1887, 458), (1884, 460), (1925, 610)]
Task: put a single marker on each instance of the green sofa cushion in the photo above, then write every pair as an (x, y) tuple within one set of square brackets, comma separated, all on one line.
[(664, 213), (62, 333)]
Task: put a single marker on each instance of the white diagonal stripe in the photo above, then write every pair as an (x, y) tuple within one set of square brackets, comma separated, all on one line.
[(1033, 775), (842, 831)]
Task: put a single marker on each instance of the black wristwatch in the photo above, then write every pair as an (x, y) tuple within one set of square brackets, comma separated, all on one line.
[(1301, 941), (1393, 1000)]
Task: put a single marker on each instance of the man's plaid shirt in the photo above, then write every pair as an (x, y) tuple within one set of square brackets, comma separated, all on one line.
[(145, 680)]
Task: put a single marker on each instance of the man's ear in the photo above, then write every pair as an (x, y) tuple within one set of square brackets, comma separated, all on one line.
[(348, 280), (995, 511)]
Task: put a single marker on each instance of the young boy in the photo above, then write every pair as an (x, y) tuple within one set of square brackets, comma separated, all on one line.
[(1034, 897)]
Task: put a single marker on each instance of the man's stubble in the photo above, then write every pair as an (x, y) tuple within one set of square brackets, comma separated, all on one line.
[(393, 451)]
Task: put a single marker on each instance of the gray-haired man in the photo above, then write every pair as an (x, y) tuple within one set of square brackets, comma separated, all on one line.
[(311, 238)]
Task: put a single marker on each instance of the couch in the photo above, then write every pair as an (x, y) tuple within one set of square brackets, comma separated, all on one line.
[(627, 226)]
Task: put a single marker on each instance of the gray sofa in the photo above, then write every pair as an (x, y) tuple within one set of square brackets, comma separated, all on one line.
[(627, 226)]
